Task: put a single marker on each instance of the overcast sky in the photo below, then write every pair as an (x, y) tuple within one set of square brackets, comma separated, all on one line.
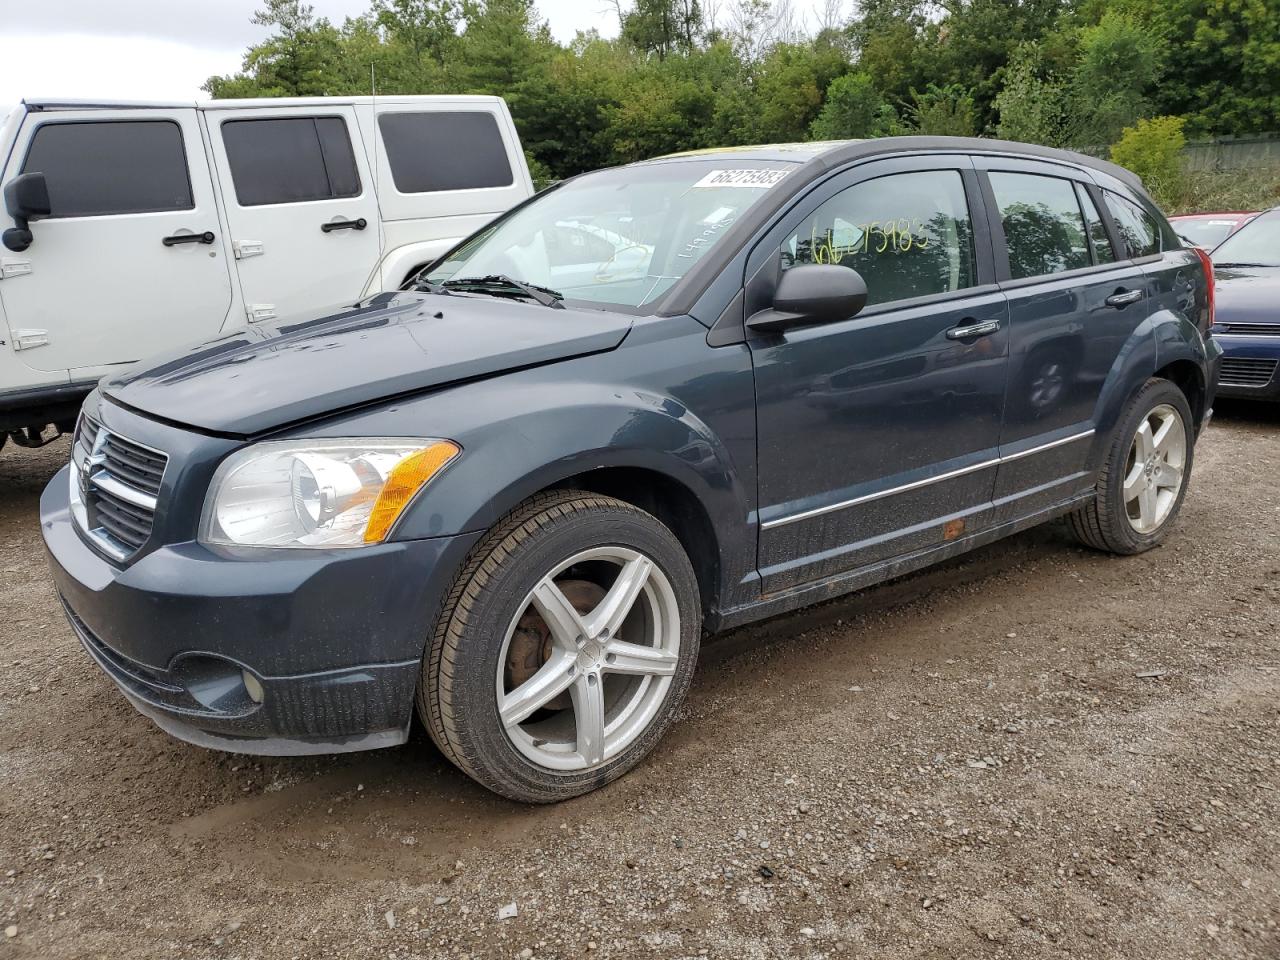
[(165, 49)]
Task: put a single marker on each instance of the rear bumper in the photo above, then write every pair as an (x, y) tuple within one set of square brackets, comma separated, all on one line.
[(310, 652), (1250, 366)]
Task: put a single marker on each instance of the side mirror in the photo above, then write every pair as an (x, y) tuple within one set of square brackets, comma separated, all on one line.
[(26, 197), (809, 294)]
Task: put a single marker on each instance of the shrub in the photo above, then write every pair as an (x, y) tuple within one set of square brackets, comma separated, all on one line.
[(1153, 150)]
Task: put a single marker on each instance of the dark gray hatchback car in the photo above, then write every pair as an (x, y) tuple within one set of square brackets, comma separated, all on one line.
[(652, 402)]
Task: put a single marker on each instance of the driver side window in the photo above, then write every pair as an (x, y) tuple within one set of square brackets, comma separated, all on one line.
[(908, 235)]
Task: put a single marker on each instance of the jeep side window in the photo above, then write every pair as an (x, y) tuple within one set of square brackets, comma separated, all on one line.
[(290, 160), (908, 235), (1138, 231), (445, 150), (1043, 226), (99, 168)]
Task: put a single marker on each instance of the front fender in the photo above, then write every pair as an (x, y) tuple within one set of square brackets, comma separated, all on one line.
[(664, 402), (576, 432)]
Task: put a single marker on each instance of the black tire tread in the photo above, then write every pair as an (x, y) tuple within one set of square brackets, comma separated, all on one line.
[(1098, 523), (436, 703)]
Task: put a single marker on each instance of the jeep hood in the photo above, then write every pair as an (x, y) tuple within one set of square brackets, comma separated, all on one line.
[(396, 344)]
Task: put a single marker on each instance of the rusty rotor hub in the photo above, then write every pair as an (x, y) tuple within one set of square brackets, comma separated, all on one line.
[(530, 645)]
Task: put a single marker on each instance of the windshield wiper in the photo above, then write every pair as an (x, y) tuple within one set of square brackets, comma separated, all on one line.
[(542, 295)]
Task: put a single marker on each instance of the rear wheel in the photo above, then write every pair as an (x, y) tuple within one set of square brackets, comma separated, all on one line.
[(564, 649), (1144, 477)]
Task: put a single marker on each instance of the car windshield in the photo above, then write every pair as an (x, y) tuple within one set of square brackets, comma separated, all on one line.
[(620, 237), (1205, 232), (1256, 244)]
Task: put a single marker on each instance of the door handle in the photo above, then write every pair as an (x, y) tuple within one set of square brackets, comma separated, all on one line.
[(971, 330), (333, 225), (177, 238), (1122, 298)]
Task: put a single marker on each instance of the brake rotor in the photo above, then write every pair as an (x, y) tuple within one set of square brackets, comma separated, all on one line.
[(531, 645)]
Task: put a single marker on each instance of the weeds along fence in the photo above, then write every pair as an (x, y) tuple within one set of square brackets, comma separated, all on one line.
[(1229, 154)]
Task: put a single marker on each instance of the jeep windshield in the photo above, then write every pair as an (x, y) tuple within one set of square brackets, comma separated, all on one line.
[(617, 238)]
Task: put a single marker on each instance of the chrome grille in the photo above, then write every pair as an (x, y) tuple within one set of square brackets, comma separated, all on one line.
[(1254, 329), (114, 484), (1247, 371)]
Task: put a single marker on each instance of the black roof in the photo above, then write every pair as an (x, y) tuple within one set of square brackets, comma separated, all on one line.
[(824, 155)]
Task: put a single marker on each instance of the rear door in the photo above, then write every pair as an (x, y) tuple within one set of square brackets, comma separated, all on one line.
[(131, 260), (1074, 302), (301, 206)]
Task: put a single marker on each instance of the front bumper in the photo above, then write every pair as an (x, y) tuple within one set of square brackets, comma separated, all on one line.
[(334, 639), (1250, 366)]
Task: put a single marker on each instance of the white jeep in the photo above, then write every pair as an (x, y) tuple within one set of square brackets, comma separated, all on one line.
[(137, 227)]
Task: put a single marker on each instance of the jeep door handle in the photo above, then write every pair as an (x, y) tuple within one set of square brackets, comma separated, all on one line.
[(333, 225), (1122, 298), (969, 331), (177, 238)]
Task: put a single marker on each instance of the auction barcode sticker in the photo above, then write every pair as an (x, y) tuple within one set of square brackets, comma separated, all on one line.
[(764, 179)]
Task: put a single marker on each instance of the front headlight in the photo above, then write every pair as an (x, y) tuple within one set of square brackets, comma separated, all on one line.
[(318, 493)]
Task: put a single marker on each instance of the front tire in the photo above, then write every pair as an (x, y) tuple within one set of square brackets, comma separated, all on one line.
[(1144, 477), (564, 648)]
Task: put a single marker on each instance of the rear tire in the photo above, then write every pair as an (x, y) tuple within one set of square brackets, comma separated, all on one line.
[(1144, 477), (564, 649)]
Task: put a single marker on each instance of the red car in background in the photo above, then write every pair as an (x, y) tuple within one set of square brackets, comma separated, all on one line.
[(1207, 230)]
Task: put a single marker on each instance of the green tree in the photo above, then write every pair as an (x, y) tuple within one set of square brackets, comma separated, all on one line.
[(1223, 56), (943, 112), (889, 46), (789, 84), (298, 60), (854, 108), (1119, 64), (1033, 108), (663, 27)]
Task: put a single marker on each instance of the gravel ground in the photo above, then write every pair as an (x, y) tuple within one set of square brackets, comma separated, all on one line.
[(1035, 751)]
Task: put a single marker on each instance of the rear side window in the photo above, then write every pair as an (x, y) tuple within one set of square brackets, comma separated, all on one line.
[(1099, 239), (290, 160), (445, 150), (1139, 232), (99, 168), (908, 235), (1043, 227)]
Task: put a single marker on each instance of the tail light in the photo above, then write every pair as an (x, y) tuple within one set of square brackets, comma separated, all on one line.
[(1208, 277)]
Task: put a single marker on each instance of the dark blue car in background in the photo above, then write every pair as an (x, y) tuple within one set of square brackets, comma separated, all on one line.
[(1247, 300), (651, 402)]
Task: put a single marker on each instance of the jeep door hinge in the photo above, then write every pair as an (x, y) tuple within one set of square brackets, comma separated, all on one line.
[(14, 268), (26, 339), (257, 312), (244, 249)]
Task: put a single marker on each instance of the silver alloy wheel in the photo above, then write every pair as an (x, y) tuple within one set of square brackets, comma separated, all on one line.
[(615, 661), (1153, 473)]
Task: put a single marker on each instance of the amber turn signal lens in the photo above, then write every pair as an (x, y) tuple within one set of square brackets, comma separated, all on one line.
[(406, 478)]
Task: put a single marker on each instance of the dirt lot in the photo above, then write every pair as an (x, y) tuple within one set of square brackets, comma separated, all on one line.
[(969, 763)]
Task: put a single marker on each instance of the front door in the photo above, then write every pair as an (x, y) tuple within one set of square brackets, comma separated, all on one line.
[(301, 205), (131, 261), (878, 435)]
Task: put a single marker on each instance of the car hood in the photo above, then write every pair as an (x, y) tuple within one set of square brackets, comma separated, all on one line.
[(1247, 295), (265, 377)]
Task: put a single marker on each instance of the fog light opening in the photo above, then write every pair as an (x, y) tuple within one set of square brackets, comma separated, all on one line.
[(252, 685)]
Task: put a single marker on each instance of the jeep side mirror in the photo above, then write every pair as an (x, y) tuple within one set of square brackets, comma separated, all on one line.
[(812, 293), (26, 197)]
